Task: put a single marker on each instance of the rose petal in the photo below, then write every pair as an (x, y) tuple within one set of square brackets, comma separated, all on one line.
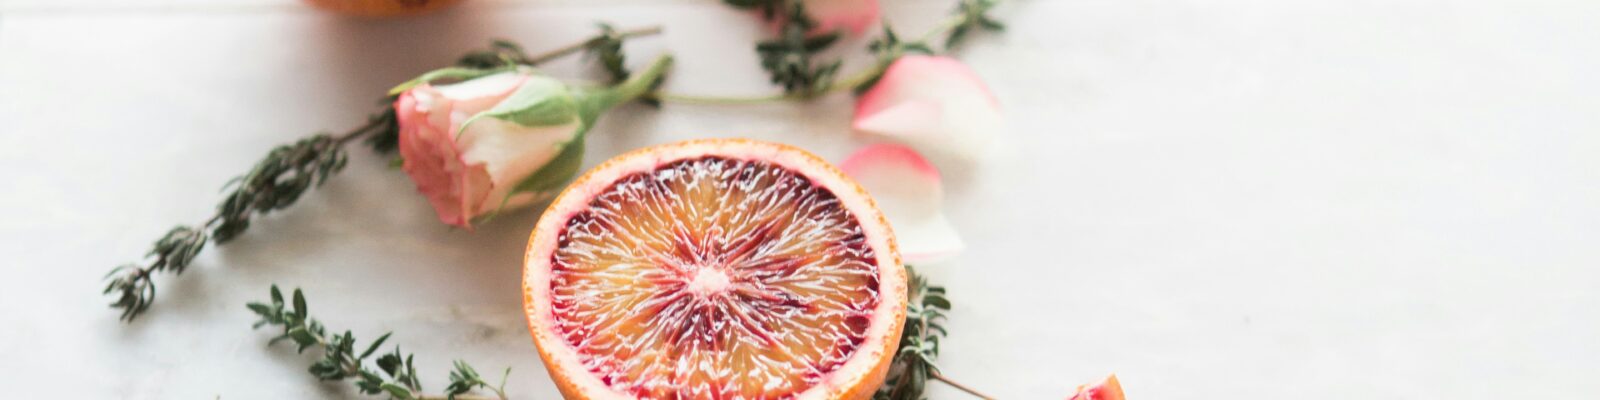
[(932, 103), (853, 15), (480, 93), (432, 159), (907, 190), (1107, 389), (510, 152)]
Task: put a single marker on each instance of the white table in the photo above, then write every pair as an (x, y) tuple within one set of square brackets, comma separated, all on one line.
[(1215, 200)]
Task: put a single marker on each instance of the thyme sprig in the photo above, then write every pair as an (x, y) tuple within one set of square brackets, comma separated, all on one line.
[(914, 363), (290, 170), (791, 58), (971, 16), (399, 379)]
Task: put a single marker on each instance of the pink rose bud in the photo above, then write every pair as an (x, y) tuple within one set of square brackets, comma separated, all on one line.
[(935, 104), (499, 138), (1108, 389)]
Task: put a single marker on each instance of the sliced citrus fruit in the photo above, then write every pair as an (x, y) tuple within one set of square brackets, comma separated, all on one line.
[(714, 269)]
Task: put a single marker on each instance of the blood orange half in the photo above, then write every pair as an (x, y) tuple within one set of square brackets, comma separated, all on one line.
[(714, 269)]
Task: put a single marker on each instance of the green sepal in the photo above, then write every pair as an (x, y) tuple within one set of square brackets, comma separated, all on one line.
[(593, 101), (540, 101), (452, 73), (554, 174), (586, 104)]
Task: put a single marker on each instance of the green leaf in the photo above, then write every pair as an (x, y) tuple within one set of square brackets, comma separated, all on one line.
[(374, 346), (277, 295), (390, 362), (300, 304), (301, 337), (260, 309), (540, 101), (399, 392), (451, 73)]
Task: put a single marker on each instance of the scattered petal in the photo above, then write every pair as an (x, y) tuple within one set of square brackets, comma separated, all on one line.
[(932, 103), (907, 189)]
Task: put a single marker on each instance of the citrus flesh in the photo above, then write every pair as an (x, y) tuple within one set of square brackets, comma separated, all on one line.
[(717, 269)]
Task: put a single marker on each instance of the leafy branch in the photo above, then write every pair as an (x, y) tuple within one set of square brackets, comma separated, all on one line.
[(340, 361), (919, 345), (290, 170), (790, 59)]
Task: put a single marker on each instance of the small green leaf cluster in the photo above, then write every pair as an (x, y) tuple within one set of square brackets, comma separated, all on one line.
[(275, 182), (972, 15), (790, 58), (769, 8), (398, 378), (501, 53), (464, 379), (607, 50), (919, 342), (174, 252)]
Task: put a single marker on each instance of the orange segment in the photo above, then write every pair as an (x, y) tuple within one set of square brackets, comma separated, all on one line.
[(722, 269)]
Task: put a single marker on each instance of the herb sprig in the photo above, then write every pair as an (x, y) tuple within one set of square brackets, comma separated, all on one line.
[(914, 363), (791, 59), (289, 171), (398, 378)]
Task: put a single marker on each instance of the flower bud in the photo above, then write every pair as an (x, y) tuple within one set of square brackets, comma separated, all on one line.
[(499, 138)]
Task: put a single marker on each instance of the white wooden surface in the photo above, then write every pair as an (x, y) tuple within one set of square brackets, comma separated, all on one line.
[(1214, 199)]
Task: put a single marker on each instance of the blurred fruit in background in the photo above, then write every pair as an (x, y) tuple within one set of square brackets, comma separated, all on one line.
[(381, 8)]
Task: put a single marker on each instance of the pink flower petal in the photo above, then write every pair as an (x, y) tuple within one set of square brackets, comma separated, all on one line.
[(429, 154), (933, 103), (852, 15), (908, 191), (907, 118)]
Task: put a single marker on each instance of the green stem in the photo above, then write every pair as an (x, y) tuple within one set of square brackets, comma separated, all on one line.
[(848, 83), (637, 85)]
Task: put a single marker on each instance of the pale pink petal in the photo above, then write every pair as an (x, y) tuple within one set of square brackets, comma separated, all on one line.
[(432, 158), (854, 16), (935, 104), (851, 16), (510, 152), (481, 93), (908, 191), (906, 118)]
